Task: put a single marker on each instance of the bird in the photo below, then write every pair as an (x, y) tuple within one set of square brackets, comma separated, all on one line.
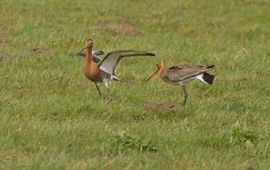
[(100, 70), (183, 73)]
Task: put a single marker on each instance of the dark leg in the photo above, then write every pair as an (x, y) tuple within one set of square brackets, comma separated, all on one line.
[(98, 90), (185, 95)]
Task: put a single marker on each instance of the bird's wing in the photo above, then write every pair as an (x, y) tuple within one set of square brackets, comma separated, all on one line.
[(96, 55), (98, 52), (81, 53), (110, 61), (181, 72), (180, 67)]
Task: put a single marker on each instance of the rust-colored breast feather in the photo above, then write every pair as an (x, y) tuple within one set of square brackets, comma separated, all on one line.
[(93, 73)]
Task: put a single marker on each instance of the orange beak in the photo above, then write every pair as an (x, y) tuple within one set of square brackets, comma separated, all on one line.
[(152, 74)]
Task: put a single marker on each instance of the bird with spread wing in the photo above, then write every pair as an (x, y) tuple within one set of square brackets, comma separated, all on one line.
[(99, 69)]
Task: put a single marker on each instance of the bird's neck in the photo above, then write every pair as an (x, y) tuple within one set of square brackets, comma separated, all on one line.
[(162, 70), (89, 57), (91, 67)]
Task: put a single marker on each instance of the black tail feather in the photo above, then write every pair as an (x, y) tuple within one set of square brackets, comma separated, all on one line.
[(208, 78)]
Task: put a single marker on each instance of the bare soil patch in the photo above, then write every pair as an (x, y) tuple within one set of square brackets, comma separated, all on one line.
[(127, 28), (40, 49), (5, 27), (162, 106), (123, 27)]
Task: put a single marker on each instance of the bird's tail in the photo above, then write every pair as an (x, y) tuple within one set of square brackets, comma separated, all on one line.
[(206, 77)]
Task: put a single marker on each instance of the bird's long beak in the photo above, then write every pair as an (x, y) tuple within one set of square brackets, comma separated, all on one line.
[(87, 45), (83, 48), (152, 74)]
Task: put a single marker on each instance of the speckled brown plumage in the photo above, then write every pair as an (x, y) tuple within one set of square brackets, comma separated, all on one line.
[(180, 74)]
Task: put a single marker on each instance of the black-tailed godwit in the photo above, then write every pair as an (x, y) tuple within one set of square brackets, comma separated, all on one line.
[(104, 70), (182, 73)]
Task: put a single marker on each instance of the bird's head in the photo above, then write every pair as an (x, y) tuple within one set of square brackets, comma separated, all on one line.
[(88, 43), (159, 66)]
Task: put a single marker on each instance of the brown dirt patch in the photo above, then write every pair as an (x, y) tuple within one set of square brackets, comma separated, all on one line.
[(162, 106), (5, 27), (40, 49), (127, 28), (123, 27)]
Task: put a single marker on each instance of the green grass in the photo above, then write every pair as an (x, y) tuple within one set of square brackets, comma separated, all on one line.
[(51, 117)]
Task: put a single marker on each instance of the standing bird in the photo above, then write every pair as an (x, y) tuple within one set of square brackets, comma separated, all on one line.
[(103, 70), (180, 74)]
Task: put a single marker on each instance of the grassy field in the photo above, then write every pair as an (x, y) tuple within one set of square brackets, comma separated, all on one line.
[(50, 114)]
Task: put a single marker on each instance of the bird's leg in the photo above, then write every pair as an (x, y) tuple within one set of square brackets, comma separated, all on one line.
[(185, 95), (106, 82), (98, 90), (108, 93)]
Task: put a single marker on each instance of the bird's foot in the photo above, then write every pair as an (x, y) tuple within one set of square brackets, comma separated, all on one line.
[(108, 99), (184, 108)]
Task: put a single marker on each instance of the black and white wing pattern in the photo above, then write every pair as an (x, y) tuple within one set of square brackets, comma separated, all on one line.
[(96, 55), (111, 60)]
